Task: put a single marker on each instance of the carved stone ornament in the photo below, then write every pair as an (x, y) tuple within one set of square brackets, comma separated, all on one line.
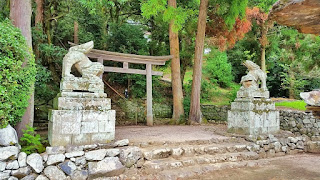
[(90, 71), (250, 82)]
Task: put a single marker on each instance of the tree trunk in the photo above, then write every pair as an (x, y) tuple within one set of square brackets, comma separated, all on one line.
[(263, 43), (39, 25), (195, 112), (291, 86), (263, 58), (20, 15), (175, 69), (76, 32)]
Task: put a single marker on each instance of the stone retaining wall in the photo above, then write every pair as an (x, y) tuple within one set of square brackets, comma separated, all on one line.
[(300, 123), (214, 113)]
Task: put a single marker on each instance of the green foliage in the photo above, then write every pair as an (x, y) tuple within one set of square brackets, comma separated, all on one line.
[(16, 77), (31, 142), (300, 105), (232, 95), (218, 69)]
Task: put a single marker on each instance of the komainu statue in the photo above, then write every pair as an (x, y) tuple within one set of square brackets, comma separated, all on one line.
[(254, 83), (90, 71)]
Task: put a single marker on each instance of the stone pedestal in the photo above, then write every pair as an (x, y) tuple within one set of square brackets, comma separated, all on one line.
[(81, 118), (253, 116)]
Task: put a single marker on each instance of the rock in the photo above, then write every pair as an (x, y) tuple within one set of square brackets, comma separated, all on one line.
[(80, 161), (300, 145), (44, 156), (96, 155), (54, 159), (13, 178), (272, 138), (163, 153), (277, 147), (8, 136), (13, 165), (313, 146), (74, 154), (79, 175), (70, 148), (4, 175), (140, 163), (284, 148), (8, 152), (73, 159), (311, 98), (123, 142), (2, 166), (42, 177), (56, 150), (68, 167), (90, 147), (129, 156), (53, 173), (108, 167), (30, 177), (292, 139), (22, 159), (271, 153), (35, 161), (21, 172), (112, 152), (177, 152)]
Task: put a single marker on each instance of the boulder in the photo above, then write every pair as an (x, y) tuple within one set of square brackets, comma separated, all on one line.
[(74, 154), (113, 152), (35, 161), (68, 167), (96, 155), (22, 159), (4, 175), (129, 156), (2, 166), (55, 159), (79, 175), (13, 165), (80, 161), (8, 152), (53, 173), (311, 98), (123, 142), (21, 172), (42, 177), (30, 177), (313, 146), (8, 136), (108, 167), (13, 178), (56, 150)]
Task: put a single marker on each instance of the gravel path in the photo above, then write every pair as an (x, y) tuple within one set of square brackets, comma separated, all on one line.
[(167, 133)]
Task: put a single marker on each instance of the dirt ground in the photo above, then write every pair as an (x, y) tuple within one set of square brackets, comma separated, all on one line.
[(168, 133), (296, 167)]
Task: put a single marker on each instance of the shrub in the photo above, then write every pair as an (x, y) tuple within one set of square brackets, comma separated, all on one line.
[(16, 78), (31, 142)]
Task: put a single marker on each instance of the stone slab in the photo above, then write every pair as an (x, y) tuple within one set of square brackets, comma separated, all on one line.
[(82, 103)]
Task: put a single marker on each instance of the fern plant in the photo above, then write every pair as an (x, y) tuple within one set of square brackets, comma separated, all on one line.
[(31, 141)]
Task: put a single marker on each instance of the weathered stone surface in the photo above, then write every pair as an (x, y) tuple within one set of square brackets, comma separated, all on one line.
[(123, 142), (2, 166), (129, 156), (108, 167), (68, 167), (313, 146), (42, 177), (74, 154), (80, 161), (35, 161), (4, 175), (30, 177), (113, 152), (71, 148), (13, 165), (22, 159), (21, 172), (13, 178), (8, 136), (8, 152), (300, 14), (44, 156), (79, 175), (55, 150), (96, 155), (177, 152), (277, 147), (53, 173), (55, 159)]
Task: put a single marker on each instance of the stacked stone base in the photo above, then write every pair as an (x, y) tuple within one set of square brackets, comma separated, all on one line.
[(253, 117), (81, 118)]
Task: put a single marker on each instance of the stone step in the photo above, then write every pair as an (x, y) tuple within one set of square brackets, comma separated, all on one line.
[(176, 152), (193, 171), (171, 163)]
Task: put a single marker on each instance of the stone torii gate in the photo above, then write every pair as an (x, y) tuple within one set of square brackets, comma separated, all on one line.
[(102, 56)]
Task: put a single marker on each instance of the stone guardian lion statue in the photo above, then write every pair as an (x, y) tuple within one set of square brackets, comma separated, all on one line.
[(255, 75)]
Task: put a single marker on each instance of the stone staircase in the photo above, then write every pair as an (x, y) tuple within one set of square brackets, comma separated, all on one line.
[(184, 160)]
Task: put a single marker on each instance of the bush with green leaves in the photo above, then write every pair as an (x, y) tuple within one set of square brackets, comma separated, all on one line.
[(16, 76), (31, 142), (218, 69)]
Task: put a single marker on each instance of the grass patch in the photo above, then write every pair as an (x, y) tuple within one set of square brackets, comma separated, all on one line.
[(300, 105)]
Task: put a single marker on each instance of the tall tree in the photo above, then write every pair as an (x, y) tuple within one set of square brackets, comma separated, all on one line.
[(175, 69), (20, 15), (195, 112)]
